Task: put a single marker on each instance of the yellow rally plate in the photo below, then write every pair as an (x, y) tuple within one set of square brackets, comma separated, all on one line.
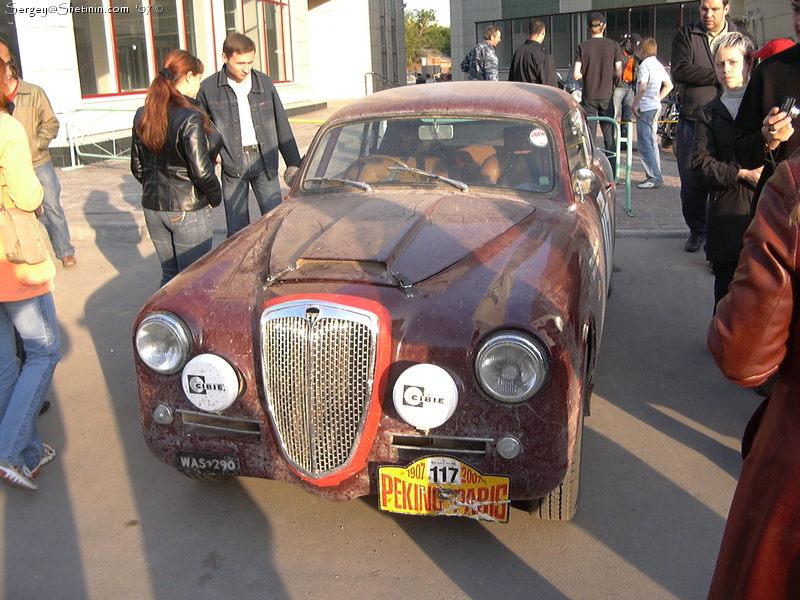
[(439, 485)]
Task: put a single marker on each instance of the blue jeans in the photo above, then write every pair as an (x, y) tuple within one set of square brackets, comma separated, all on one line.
[(603, 108), (694, 197), (623, 103), (180, 237), (54, 219), (648, 149), (236, 192), (22, 390)]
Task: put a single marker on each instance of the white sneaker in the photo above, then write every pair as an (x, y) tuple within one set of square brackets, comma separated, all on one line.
[(17, 476), (649, 184)]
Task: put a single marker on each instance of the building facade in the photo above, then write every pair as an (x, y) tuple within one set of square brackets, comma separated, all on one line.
[(96, 58), (566, 22)]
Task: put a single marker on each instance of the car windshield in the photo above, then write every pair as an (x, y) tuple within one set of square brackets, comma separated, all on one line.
[(431, 151)]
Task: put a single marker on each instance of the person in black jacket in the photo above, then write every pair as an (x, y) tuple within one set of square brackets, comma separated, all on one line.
[(766, 135), (731, 187), (531, 63), (173, 156), (693, 73), (245, 106)]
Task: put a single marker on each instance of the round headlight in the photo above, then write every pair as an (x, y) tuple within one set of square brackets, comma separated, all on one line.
[(163, 342), (511, 367)]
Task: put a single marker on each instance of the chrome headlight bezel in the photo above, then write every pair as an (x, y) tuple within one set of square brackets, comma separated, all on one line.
[(526, 357), (175, 336)]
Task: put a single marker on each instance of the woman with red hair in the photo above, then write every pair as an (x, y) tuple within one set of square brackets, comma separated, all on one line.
[(174, 150)]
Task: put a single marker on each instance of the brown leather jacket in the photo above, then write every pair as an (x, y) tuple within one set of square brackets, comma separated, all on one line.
[(33, 110), (755, 334)]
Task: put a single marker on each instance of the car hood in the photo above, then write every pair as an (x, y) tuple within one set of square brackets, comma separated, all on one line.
[(387, 238)]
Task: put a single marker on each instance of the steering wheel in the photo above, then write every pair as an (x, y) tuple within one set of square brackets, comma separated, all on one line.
[(358, 165)]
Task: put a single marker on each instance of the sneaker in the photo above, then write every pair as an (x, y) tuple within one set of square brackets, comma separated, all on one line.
[(19, 477), (48, 454), (694, 243), (649, 184)]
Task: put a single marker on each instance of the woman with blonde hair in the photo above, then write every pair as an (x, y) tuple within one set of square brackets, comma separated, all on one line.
[(730, 186), (652, 85), (26, 304), (173, 156)]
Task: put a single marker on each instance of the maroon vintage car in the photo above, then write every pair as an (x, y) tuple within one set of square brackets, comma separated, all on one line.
[(419, 321)]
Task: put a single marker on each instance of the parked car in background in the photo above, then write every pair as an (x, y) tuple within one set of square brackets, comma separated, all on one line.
[(419, 321)]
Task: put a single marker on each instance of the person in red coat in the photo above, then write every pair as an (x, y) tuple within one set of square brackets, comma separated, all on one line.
[(753, 336)]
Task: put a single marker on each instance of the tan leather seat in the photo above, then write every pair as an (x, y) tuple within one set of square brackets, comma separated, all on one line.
[(520, 165), (480, 153)]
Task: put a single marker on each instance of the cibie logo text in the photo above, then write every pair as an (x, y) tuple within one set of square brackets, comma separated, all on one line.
[(415, 396), (198, 385)]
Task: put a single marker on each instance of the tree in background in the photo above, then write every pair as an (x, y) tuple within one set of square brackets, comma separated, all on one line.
[(422, 33)]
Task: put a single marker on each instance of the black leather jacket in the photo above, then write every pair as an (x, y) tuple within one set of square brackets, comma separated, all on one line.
[(181, 176)]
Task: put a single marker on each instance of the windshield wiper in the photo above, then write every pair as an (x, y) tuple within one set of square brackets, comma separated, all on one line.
[(454, 182), (356, 184)]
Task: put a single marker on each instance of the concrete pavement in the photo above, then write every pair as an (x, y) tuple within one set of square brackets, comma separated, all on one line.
[(102, 200)]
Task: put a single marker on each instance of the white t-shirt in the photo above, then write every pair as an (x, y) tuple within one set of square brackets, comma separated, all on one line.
[(245, 117), (654, 74)]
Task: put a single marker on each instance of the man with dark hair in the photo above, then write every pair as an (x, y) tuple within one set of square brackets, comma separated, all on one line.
[(483, 63), (625, 88), (693, 73), (598, 61), (246, 108), (32, 108), (531, 63)]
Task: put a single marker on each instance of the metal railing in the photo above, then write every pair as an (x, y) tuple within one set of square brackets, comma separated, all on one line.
[(105, 145), (628, 140)]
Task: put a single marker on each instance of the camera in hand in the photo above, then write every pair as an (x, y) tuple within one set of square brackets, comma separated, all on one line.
[(790, 107)]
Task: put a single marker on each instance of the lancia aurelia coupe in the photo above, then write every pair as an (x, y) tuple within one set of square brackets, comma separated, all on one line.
[(419, 321)]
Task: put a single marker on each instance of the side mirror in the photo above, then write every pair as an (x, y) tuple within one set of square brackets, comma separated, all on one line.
[(289, 175), (582, 182)]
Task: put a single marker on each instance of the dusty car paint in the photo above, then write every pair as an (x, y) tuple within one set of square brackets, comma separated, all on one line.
[(448, 268)]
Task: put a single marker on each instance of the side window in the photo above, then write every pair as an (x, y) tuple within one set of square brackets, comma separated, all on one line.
[(577, 141)]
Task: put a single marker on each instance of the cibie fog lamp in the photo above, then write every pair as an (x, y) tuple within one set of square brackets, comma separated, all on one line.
[(425, 396)]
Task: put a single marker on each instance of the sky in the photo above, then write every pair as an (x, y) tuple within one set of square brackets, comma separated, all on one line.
[(442, 8)]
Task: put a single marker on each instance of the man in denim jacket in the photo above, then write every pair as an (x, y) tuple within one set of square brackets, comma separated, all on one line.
[(245, 107)]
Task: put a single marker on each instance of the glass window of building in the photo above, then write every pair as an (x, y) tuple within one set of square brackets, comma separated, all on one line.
[(166, 29), (266, 22)]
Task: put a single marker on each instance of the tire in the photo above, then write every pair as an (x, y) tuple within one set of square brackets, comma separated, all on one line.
[(562, 503)]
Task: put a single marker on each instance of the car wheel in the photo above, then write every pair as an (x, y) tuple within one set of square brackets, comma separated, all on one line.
[(562, 503), (207, 477)]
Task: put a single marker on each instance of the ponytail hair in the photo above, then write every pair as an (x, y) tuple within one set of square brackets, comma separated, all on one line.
[(162, 95)]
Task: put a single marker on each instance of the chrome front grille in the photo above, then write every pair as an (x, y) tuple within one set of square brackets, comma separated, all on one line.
[(318, 370)]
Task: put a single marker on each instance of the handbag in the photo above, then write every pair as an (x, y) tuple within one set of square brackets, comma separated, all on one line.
[(21, 233)]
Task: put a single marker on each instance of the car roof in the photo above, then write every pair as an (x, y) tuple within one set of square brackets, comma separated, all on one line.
[(494, 98)]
